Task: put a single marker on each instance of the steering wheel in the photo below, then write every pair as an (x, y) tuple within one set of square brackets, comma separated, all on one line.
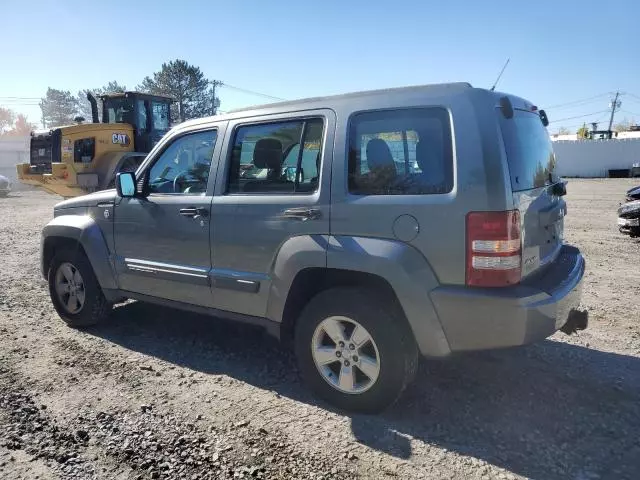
[(183, 173)]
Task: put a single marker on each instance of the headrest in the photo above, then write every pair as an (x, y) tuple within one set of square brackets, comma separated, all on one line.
[(183, 158), (430, 161), (428, 155), (268, 153), (378, 155)]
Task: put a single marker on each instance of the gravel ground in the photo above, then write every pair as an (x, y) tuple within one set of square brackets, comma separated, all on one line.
[(156, 393)]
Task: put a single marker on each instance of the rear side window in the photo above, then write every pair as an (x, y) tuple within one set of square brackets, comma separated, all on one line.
[(401, 152), (529, 152)]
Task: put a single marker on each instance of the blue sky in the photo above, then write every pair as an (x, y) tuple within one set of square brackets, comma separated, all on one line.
[(560, 51)]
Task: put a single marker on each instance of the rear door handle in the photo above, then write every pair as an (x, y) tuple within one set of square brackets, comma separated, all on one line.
[(194, 212), (302, 213)]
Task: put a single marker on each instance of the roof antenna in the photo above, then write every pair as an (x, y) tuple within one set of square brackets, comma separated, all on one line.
[(501, 72)]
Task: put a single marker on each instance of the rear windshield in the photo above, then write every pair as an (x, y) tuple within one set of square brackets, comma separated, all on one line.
[(530, 155)]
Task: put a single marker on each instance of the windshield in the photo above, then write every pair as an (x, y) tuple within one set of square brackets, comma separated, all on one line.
[(530, 155), (118, 110)]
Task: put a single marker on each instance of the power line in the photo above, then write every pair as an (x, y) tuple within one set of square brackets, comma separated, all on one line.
[(251, 92), (20, 98), (579, 116), (631, 97), (582, 124), (584, 100)]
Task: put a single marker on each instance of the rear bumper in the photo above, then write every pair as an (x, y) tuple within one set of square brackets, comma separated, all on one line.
[(479, 319), (629, 226)]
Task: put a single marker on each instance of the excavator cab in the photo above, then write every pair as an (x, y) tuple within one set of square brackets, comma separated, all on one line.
[(148, 114)]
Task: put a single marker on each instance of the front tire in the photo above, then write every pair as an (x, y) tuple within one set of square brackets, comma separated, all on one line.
[(354, 351), (75, 291)]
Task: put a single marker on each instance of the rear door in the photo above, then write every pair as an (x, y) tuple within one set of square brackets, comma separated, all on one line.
[(531, 162), (272, 197)]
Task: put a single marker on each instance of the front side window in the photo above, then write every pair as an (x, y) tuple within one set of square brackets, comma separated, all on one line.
[(118, 110), (160, 115), (183, 168), (267, 158), (401, 152)]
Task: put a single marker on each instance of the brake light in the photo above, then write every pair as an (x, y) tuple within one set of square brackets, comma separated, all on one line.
[(493, 248)]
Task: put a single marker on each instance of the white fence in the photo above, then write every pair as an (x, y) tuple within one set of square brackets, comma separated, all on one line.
[(594, 158), (13, 150)]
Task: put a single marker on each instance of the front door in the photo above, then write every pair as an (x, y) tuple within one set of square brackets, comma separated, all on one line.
[(271, 201), (162, 240)]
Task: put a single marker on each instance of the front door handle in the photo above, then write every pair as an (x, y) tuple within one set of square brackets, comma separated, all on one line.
[(193, 212), (302, 213)]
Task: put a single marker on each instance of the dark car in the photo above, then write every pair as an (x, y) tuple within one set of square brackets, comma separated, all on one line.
[(629, 218), (633, 194)]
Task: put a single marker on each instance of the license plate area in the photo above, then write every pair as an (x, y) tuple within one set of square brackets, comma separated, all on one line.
[(629, 222)]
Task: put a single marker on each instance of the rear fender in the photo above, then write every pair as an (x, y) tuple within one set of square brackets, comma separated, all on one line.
[(84, 231), (295, 255), (400, 265), (410, 277)]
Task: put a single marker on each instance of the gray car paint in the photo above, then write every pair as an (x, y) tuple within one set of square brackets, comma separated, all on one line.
[(251, 245), (250, 231)]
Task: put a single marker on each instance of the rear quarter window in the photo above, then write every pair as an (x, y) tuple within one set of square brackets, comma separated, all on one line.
[(529, 151)]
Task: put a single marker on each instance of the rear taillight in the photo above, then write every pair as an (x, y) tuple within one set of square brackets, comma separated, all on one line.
[(493, 248)]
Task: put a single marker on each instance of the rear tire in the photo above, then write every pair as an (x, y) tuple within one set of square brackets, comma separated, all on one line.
[(369, 377), (75, 291)]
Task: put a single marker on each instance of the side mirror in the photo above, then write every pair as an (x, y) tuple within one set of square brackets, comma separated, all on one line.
[(559, 189), (290, 174), (126, 184)]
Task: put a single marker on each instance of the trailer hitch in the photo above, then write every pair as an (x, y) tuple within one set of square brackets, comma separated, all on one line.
[(578, 320)]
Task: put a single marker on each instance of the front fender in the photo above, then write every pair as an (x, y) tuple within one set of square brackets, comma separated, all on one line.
[(86, 232), (410, 277)]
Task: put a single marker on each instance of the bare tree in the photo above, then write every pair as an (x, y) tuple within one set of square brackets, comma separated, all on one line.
[(7, 117)]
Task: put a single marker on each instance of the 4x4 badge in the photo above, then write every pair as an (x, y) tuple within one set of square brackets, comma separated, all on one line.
[(106, 213)]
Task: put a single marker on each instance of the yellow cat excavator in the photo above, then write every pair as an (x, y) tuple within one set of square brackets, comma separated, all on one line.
[(77, 159)]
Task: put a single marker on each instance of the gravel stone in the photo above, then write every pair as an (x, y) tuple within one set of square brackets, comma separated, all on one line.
[(76, 404)]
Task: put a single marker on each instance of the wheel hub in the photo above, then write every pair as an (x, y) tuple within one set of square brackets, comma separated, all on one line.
[(345, 355), (69, 287)]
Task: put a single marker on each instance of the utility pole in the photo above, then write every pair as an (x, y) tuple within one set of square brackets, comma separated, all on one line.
[(614, 105), (214, 99)]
